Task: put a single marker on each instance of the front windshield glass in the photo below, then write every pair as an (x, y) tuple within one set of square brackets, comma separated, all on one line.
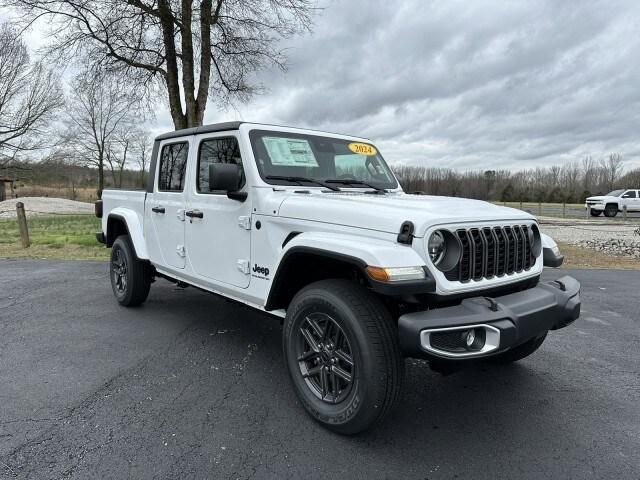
[(318, 158), (615, 193)]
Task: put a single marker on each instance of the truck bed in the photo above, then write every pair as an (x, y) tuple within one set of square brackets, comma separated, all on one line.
[(129, 199)]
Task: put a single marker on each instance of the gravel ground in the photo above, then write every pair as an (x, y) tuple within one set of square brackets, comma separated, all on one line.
[(35, 206), (615, 239)]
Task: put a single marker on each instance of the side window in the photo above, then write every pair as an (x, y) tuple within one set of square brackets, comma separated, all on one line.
[(629, 194), (173, 167), (217, 150)]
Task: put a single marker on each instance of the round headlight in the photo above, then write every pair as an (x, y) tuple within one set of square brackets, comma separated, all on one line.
[(436, 247)]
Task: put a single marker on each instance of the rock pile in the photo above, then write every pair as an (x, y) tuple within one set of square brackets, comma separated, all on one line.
[(627, 248)]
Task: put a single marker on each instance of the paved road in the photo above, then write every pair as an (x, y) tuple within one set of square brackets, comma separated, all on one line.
[(190, 386)]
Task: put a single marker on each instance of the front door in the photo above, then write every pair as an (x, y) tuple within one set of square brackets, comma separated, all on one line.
[(630, 200), (218, 237), (165, 207)]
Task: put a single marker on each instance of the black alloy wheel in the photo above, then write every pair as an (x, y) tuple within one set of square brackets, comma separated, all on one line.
[(119, 272), (325, 358)]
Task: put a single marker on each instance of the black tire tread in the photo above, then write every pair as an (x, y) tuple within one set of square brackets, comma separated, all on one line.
[(377, 320), (140, 274)]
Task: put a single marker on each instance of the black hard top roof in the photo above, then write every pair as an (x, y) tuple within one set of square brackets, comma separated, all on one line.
[(222, 127), (214, 127)]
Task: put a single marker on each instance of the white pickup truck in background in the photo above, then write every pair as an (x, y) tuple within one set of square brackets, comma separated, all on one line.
[(614, 202), (315, 229)]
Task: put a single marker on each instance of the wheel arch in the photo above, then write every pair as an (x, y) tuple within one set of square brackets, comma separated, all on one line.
[(301, 266), (125, 222), (309, 257)]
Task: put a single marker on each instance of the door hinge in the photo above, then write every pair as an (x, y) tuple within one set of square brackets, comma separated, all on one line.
[(180, 250), (244, 266), (244, 222)]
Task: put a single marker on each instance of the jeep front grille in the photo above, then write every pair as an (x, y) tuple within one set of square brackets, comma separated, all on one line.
[(492, 252)]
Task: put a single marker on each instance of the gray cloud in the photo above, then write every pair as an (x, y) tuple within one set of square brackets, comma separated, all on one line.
[(466, 84)]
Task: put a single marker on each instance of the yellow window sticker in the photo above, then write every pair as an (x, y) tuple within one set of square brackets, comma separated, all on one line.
[(363, 148)]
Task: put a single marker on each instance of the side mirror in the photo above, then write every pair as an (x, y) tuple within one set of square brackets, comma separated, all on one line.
[(225, 177)]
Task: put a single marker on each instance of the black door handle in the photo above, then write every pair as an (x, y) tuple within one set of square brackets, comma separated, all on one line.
[(194, 213), (158, 209)]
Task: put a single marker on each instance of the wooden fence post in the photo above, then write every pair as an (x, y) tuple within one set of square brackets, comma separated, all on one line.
[(22, 224), (624, 212), (564, 209), (539, 208)]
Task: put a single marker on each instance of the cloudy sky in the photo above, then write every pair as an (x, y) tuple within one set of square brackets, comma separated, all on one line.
[(464, 84)]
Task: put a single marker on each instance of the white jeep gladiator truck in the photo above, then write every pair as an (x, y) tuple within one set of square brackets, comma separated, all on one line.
[(614, 202), (314, 228)]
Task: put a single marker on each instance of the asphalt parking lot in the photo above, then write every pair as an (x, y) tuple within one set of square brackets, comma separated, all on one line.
[(191, 386)]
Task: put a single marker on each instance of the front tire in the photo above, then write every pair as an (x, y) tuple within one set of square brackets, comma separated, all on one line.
[(130, 277), (341, 349)]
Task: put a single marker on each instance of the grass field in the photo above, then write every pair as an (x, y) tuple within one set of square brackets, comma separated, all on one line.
[(577, 257), (59, 237)]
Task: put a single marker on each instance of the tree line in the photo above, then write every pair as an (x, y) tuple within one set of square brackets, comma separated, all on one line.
[(571, 182)]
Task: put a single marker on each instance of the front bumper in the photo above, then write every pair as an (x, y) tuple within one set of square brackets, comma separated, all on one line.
[(516, 317)]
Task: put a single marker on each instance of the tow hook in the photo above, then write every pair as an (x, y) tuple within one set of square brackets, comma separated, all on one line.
[(493, 305), (561, 285)]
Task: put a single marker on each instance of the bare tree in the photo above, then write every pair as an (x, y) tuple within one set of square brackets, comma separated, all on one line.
[(612, 169), (29, 95), (100, 110), (116, 154), (191, 48), (142, 154)]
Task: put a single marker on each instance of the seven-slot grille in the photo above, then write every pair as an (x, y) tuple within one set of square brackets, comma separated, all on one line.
[(492, 252)]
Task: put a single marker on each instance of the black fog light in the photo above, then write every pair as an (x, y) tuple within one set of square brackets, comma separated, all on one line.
[(474, 339)]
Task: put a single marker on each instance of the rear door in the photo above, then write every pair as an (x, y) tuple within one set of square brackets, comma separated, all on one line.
[(219, 238), (164, 209), (634, 203)]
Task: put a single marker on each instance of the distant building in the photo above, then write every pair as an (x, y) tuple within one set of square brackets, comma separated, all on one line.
[(6, 188)]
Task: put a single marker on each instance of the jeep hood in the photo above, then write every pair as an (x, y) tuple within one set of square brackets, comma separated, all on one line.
[(386, 213)]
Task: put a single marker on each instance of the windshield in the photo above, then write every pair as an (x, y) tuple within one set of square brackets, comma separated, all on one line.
[(318, 158), (615, 193)]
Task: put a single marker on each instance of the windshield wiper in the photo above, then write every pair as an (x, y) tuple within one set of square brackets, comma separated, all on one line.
[(348, 181), (299, 181)]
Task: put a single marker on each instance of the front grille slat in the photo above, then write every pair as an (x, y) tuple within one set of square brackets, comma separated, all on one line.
[(489, 252)]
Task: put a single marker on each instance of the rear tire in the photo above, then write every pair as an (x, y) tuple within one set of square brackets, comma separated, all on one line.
[(519, 352), (595, 213), (341, 349), (611, 210), (130, 277)]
